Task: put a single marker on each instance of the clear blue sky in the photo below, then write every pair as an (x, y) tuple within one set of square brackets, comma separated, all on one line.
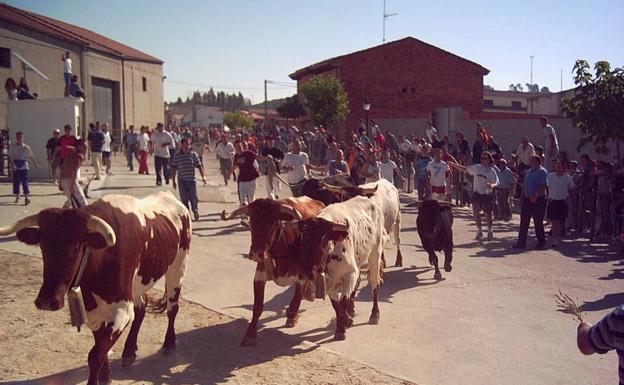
[(234, 45)]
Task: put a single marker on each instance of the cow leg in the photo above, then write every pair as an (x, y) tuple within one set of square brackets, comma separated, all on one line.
[(130, 348), (374, 317), (448, 259), (173, 285), (99, 368), (251, 336), (433, 259), (292, 313), (351, 307), (341, 318), (396, 232), (383, 259)]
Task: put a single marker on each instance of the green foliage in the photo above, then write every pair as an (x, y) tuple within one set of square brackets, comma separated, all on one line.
[(291, 108), (227, 102), (238, 120), (598, 107), (325, 100), (516, 87), (536, 88)]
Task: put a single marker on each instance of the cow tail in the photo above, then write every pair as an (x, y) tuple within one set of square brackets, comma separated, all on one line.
[(157, 305)]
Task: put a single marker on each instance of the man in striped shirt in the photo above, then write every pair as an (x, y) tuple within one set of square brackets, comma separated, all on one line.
[(607, 334), (184, 164)]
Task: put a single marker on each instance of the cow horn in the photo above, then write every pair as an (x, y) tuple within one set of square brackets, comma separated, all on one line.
[(98, 225), (332, 188), (369, 190), (236, 213), (30, 221), (285, 209), (340, 226)]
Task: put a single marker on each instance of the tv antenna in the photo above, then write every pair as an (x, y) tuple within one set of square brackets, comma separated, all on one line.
[(385, 16), (27, 66)]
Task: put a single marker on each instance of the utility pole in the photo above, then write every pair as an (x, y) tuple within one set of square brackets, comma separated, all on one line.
[(561, 81), (532, 56), (266, 110), (385, 16)]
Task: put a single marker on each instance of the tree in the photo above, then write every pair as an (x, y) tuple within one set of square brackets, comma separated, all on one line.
[(197, 98), (545, 90), (291, 108), (179, 101), (236, 120), (326, 100), (516, 87), (532, 87), (597, 109), (488, 87)]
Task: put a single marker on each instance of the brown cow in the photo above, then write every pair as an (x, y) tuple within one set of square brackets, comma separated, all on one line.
[(131, 244), (270, 239)]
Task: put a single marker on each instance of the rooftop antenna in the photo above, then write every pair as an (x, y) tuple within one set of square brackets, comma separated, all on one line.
[(27, 66), (561, 80), (385, 16)]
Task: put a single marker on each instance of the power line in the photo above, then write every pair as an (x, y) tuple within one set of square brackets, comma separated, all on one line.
[(281, 85)]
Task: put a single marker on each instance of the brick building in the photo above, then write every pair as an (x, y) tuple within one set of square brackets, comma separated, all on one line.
[(406, 81)]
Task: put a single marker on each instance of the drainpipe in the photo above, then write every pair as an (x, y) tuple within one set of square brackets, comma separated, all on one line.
[(123, 92), (83, 77)]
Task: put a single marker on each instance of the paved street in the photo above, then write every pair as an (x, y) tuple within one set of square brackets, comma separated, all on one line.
[(491, 321)]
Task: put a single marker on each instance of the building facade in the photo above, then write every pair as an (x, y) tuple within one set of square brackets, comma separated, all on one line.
[(405, 81), (123, 86)]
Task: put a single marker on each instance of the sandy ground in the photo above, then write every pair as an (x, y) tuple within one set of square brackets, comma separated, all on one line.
[(42, 348)]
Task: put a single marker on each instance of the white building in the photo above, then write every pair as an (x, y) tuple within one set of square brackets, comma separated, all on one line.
[(204, 116)]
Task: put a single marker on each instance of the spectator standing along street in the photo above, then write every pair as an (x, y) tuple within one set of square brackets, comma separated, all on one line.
[(485, 180), (506, 179), (19, 155), (96, 141), (52, 154), (106, 148), (559, 186), (130, 142), (183, 166), (533, 204), (437, 171), (296, 163), (551, 144), (225, 153), (143, 145), (161, 141)]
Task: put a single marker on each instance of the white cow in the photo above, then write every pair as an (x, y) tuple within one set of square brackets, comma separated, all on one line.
[(339, 241), (386, 196)]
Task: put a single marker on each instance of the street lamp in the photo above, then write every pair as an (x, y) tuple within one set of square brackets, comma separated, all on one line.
[(366, 106)]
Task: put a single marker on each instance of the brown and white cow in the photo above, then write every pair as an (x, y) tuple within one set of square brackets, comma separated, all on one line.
[(132, 243), (386, 197), (340, 240), (269, 238)]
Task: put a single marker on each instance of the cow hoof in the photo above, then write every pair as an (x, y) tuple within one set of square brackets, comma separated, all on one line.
[(374, 319), (290, 322), (340, 336), (448, 268), (127, 361), (168, 350), (249, 341), (437, 276)]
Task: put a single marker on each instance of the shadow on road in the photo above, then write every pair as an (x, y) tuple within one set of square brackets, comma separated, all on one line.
[(609, 301), (221, 355)]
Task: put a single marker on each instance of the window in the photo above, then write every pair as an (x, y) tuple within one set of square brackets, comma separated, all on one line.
[(5, 58), (144, 83), (516, 105), (488, 103)]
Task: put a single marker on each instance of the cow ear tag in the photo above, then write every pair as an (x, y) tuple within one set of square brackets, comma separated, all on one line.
[(77, 311)]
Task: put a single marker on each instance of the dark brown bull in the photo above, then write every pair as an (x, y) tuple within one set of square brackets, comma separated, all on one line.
[(132, 244), (276, 252), (435, 228)]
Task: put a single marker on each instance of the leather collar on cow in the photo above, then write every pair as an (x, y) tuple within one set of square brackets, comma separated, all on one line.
[(84, 259)]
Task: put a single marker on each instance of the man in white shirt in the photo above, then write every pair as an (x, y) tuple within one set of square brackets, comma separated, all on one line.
[(524, 152), (225, 153), (405, 145), (296, 163), (485, 179), (143, 141), (559, 186), (551, 144), (67, 71), (430, 132), (106, 148), (438, 171), (387, 167), (161, 141)]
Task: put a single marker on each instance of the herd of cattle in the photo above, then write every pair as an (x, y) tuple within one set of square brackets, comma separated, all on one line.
[(116, 248)]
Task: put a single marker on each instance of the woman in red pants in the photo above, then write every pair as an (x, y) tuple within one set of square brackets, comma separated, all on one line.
[(143, 141)]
